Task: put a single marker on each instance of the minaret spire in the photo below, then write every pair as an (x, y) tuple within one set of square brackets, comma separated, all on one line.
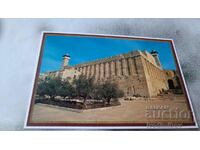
[(154, 53), (66, 59)]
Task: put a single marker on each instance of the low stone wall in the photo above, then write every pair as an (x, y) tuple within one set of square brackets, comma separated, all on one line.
[(77, 110)]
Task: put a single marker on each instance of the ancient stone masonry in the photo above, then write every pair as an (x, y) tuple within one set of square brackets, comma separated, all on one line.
[(137, 73)]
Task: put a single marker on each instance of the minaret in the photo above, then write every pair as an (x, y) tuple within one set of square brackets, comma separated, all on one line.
[(154, 53), (66, 59)]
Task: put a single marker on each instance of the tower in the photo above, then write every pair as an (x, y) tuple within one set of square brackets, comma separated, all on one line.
[(66, 59), (154, 53)]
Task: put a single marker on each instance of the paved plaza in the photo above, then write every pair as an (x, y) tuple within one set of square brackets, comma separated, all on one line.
[(172, 109)]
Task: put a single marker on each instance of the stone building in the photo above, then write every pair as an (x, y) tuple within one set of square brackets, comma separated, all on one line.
[(173, 79), (137, 73), (66, 71)]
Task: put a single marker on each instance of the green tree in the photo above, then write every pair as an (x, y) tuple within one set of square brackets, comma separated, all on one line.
[(53, 86), (107, 91), (84, 87), (41, 88), (66, 89)]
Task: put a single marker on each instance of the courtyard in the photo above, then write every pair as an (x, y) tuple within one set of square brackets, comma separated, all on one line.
[(171, 109)]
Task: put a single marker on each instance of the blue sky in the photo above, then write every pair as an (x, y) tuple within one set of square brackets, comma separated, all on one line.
[(84, 49)]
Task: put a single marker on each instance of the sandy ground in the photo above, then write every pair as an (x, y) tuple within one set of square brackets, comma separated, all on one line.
[(171, 109)]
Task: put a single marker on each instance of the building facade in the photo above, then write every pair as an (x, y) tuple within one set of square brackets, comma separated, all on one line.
[(137, 73)]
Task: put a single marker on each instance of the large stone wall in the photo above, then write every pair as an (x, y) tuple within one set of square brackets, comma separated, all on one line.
[(136, 73), (155, 78), (69, 73)]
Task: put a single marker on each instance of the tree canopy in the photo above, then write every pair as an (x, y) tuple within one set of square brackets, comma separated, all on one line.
[(107, 91), (66, 90), (82, 87)]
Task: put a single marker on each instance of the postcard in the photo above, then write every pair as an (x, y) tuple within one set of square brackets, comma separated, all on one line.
[(90, 81)]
